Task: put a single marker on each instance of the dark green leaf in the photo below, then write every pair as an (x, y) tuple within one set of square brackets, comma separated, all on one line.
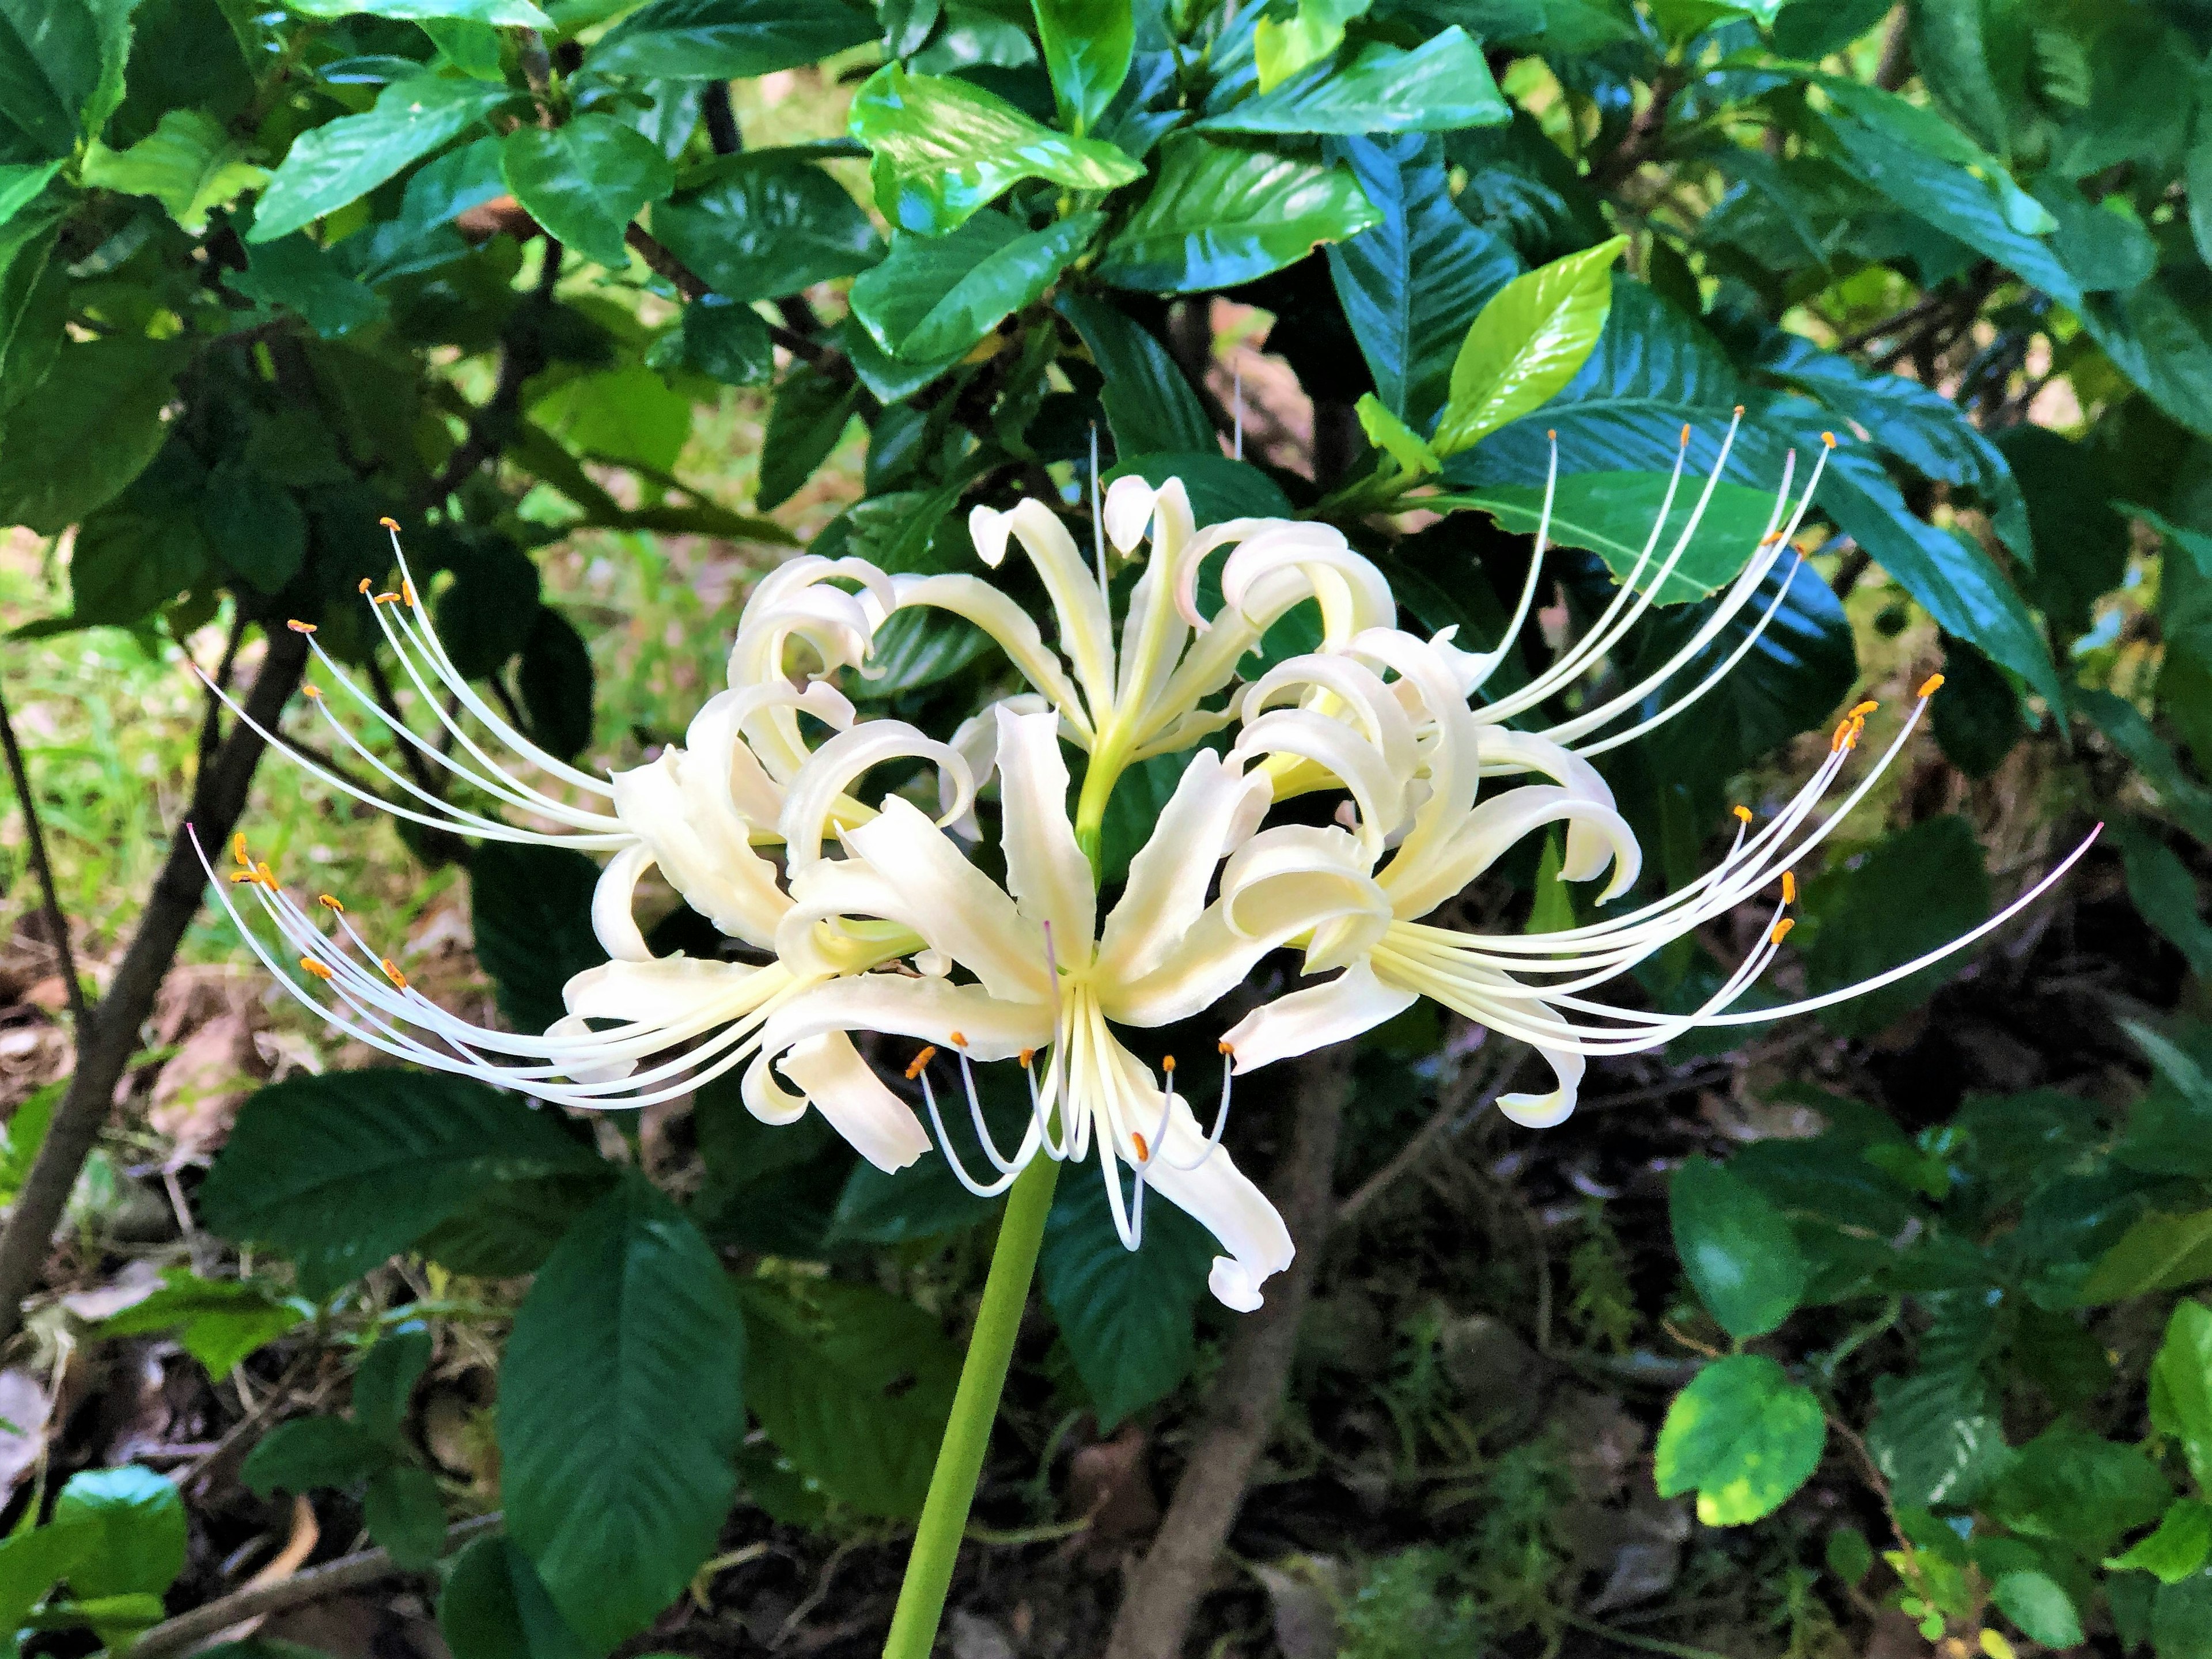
[(532, 907), (134, 557), (1977, 720), (1440, 86), (1915, 891), (1219, 213), (720, 338), (1150, 407), (404, 1514), (1613, 514), (937, 296), (507, 1230), (295, 274), (89, 430), (554, 677), (2181, 1618), (2103, 246), (2176, 1550), (772, 222), (218, 1320), (726, 39), (1743, 1435), (1411, 285), (2082, 542), (1738, 1249), (135, 1521), (386, 1381), (854, 1385), (330, 165), (944, 148), (2178, 796), (495, 1607), (1935, 1436), (2044, 1612), (1219, 488), (2075, 1486), (340, 1171), (808, 416), (1088, 45), (2160, 1251), (614, 1496), (1526, 343), (309, 1453), (61, 73), (1127, 1316), (586, 181), (2157, 339), (506, 14), (2164, 893), (254, 526)]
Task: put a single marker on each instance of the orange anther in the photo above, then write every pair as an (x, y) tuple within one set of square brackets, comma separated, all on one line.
[(1226, 1049), (313, 692), (915, 1066), (314, 967), (364, 584), (1744, 813), (1770, 538), (1168, 1064), (1026, 1056), (1782, 930), (1860, 711), (238, 851), (1739, 411), (1931, 685), (1553, 433), (1686, 434), (387, 598), (329, 904), (407, 593), (298, 627), (1829, 439), (959, 1041), (389, 524), (1789, 887), (239, 877), (391, 972), (1144, 1152), (263, 874)]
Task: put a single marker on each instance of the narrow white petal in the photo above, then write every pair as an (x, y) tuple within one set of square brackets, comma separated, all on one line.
[(928, 1009), (1353, 1002), (876, 1124), (1544, 1111), (1046, 871), (1170, 874), (612, 917)]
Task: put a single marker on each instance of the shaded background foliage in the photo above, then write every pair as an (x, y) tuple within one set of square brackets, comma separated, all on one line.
[(1880, 1329)]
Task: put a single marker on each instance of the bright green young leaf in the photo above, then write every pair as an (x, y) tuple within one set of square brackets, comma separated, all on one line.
[(531, 907), (2044, 1612), (1219, 213), (330, 165), (2176, 1550), (937, 296), (1743, 1436), (586, 181), (1150, 407), (1392, 435), (2181, 1387), (1738, 1251), (1088, 44), (2160, 1251), (727, 40), (135, 1521), (615, 1496), (1614, 514), (340, 1171), (942, 149), (189, 163), (218, 1320), (1913, 892), (1441, 85), (21, 183), (1281, 50), (1527, 344), (495, 1607), (504, 14), (32, 1562), (854, 1387), (91, 427), (771, 223)]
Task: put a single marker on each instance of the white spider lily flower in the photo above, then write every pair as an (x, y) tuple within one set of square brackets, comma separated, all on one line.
[(1043, 975), (1532, 987), (1149, 695)]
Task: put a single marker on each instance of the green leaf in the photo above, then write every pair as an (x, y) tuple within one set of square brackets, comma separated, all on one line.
[(2044, 1612), (1977, 720), (1088, 46), (1219, 213), (90, 427), (2164, 893), (217, 1320), (720, 338), (2160, 1251), (942, 149), (1127, 1317), (135, 1522), (1440, 86), (614, 1496), (386, 1380), (1150, 407), (2070, 1484), (2158, 341), (1527, 344), (134, 557), (495, 1607), (727, 40), (854, 1385), (1281, 49), (312, 1452), (554, 677), (2181, 1387), (2176, 1551), (1738, 1251), (1613, 514), (189, 163), (1413, 283), (295, 274), (341, 1171), (937, 296), (2181, 1618), (768, 223), (628, 415), (32, 1562), (1743, 1435), (532, 907), (61, 73), (806, 420), (586, 181), (254, 525), (1913, 892), (1389, 434), (503, 13), (405, 1513), (330, 165), (507, 1230)]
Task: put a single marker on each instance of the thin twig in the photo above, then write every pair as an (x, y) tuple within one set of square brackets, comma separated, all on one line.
[(522, 354), (348, 1572), (688, 284), (50, 900)]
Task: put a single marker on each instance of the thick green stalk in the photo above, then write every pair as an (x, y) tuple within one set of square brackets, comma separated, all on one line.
[(975, 1407)]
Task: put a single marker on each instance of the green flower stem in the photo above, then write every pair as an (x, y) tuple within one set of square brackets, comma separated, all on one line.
[(975, 1407)]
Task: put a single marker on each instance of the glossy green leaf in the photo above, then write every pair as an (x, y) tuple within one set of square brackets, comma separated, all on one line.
[(1088, 45), (2160, 1252), (771, 223), (1527, 344), (1738, 1251), (189, 163), (1913, 892), (1389, 434), (340, 1171), (1282, 47), (1128, 1316), (505, 14), (719, 338), (2157, 338), (295, 274), (1440, 86), (584, 181), (936, 296), (61, 74), (1150, 407), (854, 1385), (1412, 283), (727, 40), (807, 418), (2181, 1387), (331, 165), (135, 1521), (1614, 513), (942, 149), (1219, 213), (88, 430), (2035, 1602), (2176, 1550), (217, 1320), (532, 907), (627, 414), (1743, 1436), (495, 1607)]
